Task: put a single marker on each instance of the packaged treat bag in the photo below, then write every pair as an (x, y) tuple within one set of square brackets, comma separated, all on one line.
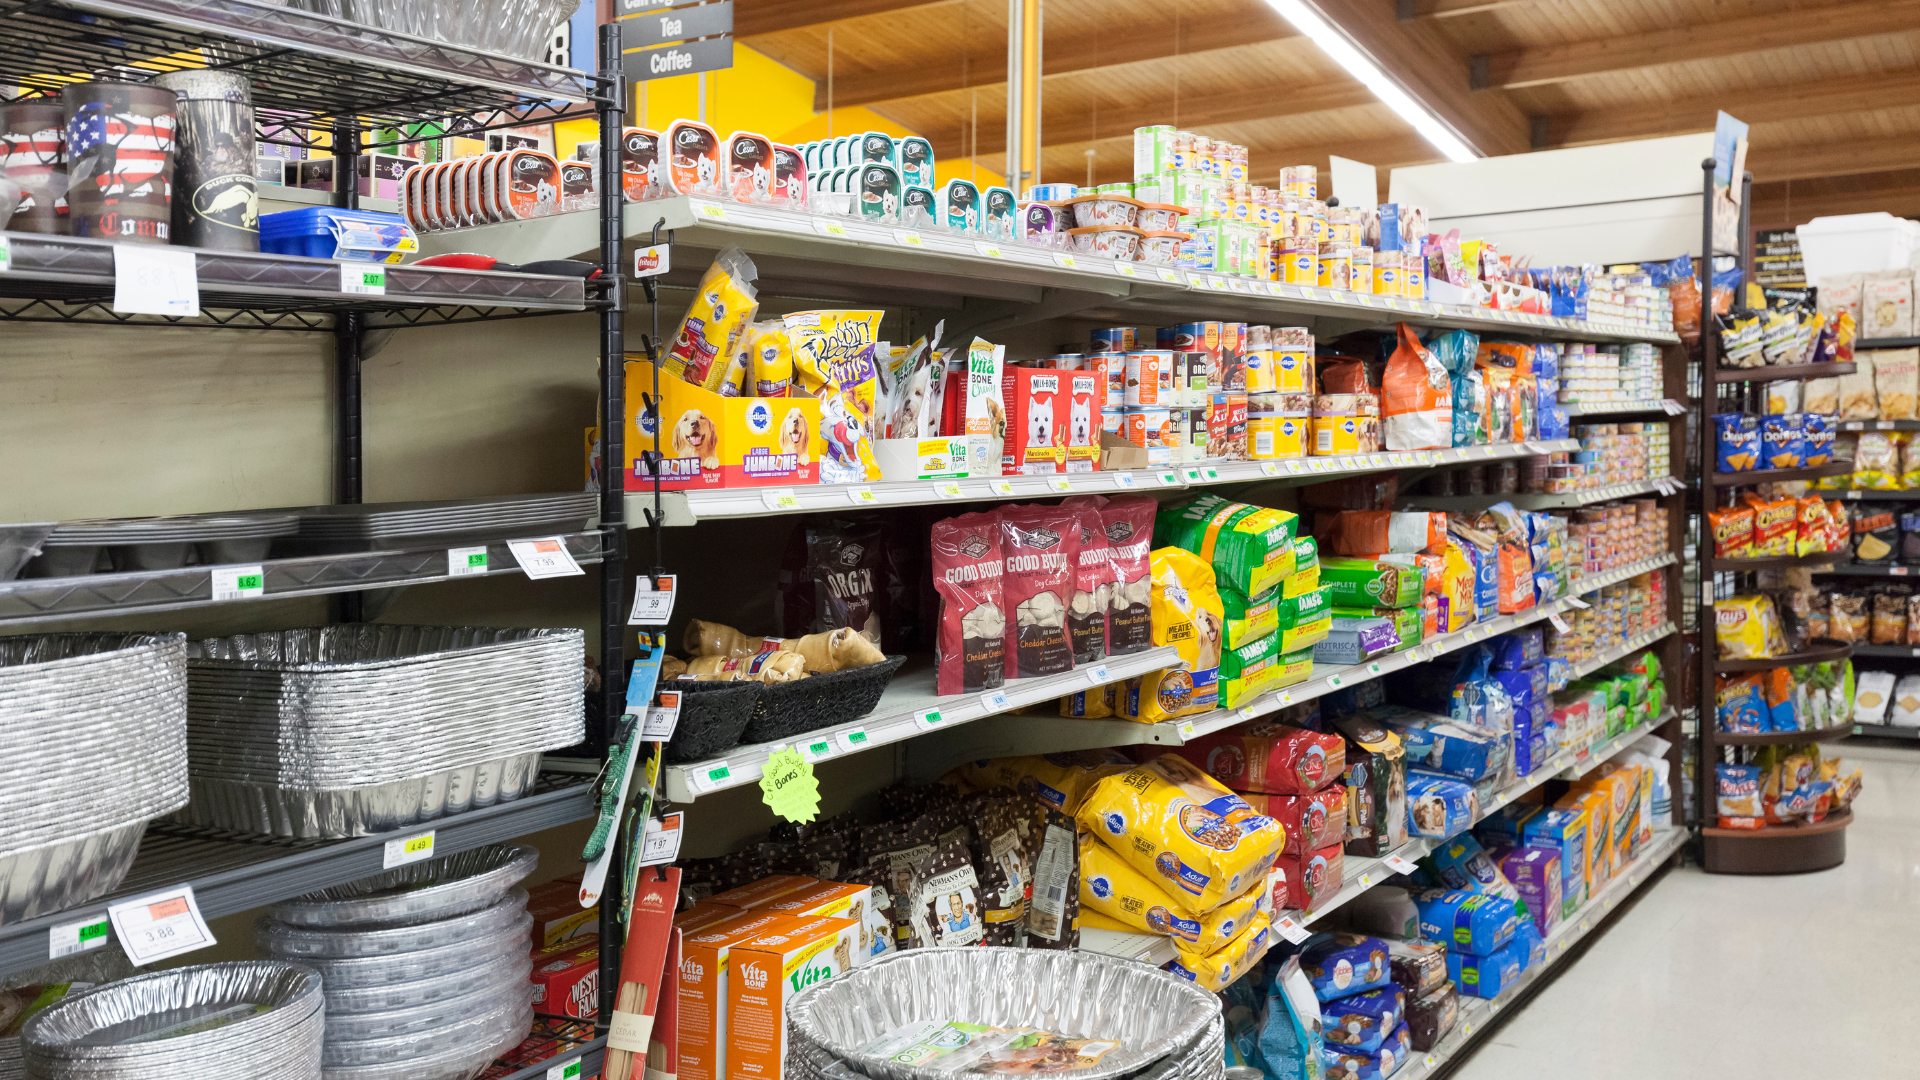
[(1269, 757), (1053, 911), (1431, 1016), (1249, 547), (1312, 821), (1339, 965), (1040, 552), (1058, 780), (1345, 1065), (967, 570), (1113, 888), (1418, 967), (1128, 524), (1092, 588), (1221, 968), (1187, 615), (1180, 827), (1416, 405), (1362, 1022), (723, 306), (836, 360)]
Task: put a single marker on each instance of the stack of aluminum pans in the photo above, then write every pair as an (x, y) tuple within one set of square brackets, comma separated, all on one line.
[(161, 543), (93, 743), (216, 1022), (1165, 1025), (24, 993), (349, 730), (364, 526), (517, 28), (426, 966)]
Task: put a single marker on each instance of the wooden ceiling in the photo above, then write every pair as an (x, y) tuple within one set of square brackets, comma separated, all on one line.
[(1830, 87)]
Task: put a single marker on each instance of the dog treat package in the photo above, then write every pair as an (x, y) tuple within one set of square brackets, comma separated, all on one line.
[(1360, 1023), (770, 367), (1186, 615), (1341, 964), (1290, 1041), (1249, 547), (1439, 807), (1305, 879), (1092, 588), (1418, 967), (1036, 445), (967, 572), (844, 560), (1221, 968), (946, 897), (1053, 909), (1184, 831), (1269, 757), (1040, 549), (1128, 524), (1431, 1016), (1343, 1064), (835, 359), (1468, 922), (1312, 821), (722, 308), (1001, 862), (1061, 781), (1113, 888)]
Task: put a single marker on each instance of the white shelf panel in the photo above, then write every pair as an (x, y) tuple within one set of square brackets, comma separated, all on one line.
[(1659, 488), (1615, 408)]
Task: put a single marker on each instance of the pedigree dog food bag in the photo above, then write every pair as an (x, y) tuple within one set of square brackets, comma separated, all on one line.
[(1184, 831)]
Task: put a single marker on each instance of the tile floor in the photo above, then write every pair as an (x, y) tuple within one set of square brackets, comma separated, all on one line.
[(1716, 976)]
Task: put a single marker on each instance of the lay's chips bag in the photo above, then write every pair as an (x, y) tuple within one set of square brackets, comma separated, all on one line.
[(703, 349), (1116, 890), (1187, 614), (1184, 831), (836, 358)]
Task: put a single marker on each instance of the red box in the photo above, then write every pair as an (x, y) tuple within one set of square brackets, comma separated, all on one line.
[(570, 984), (1301, 881), (1077, 413), (557, 914), (1036, 443)]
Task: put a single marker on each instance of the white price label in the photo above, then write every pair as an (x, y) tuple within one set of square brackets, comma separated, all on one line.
[(1061, 483), (1574, 601), (710, 211), (1286, 698), (1430, 1063), (1365, 299), (1168, 479), (704, 778), (862, 496), (948, 490), (238, 582), (1291, 930), (1366, 881), (77, 937), (1171, 277), (1249, 712), (994, 701), (653, 607), (160, 925), (466, 561), (851, 739), (816, 748), (1126, 269), (779, 500), (544, 558), (1124, 480), (652, 261), (928, 719), (1061, 258), (6, 254), (1197, 281), (829, 228), (1884, 425), (1296, 466), (1270, 468), (1002, 488), (150, 280), (661, 842), (991, 251), (1309, 294), (1399, 865), (1559, 623), (908, 238), (363, 279), (663, 717), (407, 849), (1098, 675)]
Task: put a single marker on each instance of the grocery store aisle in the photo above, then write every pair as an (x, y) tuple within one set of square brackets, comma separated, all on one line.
[(1732, 976)]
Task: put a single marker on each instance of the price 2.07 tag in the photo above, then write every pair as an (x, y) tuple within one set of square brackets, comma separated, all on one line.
[(160, 925), (407, 849), (363, 279)]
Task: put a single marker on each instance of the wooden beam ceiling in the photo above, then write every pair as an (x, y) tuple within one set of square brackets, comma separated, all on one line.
[(1138, 44), (1783, 205), (778, 16), (1798, 101), (1703, 41), (1443, 9), (1772, 163)]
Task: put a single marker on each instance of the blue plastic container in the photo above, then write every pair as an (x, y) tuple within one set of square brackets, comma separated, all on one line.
[(328, 232)]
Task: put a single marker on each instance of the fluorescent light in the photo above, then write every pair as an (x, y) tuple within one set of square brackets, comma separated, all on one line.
[(1335, 44)]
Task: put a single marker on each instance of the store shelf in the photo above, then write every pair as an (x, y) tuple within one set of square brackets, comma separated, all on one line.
[(1906, 652), (590, 1053), (1833, 823), (1886, 343), (1880, 425), (65, 270), (302, 65), (1886, 731), (1477, 1015), (1564, 501), (1616, 408), (1632, 645), (692, 507), (43, 599), (1786, 738), (873, 261), (1783, 371), (234, 872), (1870, 570), (1778, 476), (908, 708), (1819, 654), (1778, 562)]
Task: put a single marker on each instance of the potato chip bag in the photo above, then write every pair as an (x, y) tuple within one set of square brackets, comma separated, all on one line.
[(1876, 462), (836, 359), (1773, 524), (772, 362), (722, 307), (1188, 615), (1059, 780), (1249, 547), (1732, 532), (1749, 628), (1183, 830), (1219, 969), (1112, 887)]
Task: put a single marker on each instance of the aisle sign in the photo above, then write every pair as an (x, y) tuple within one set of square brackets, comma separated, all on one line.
[(407, 849), (645, 25), (151, 280), (653, 607), (160, 925), (76, 937), (686, 58), (545, 558)]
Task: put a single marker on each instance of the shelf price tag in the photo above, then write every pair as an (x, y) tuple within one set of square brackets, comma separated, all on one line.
[(1308, 294), (159, 925), (1194, 476), (544, 558), (363, 279), (1291, 930), (1098, 675), (814, 749), (704, 778), (851, 739), (908, 238), (1270, 468), (663, 716), (862, 496), (660, 844), (78, 937), (948, 489), (1399, 865), (710, 211), (6, 254), (1124, 480), (407, 849), (1296, 466), (466, 561), (1559, 623), (1168, 479), (1061, 483), (1171, 277), (991, 251), (829, 228), (1126, 269), (994, 701), (779, 500), (238, 582), (653, 607), (150, 280), (928, 719), (1213, 474), (1186, 729), (1574, 601), (1001, 487), (1065, 260)]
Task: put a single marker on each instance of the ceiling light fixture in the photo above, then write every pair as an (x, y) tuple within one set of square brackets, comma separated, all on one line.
[(1344, 52)]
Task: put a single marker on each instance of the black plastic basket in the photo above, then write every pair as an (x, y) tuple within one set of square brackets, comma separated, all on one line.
[(712, 716), (817, 701)]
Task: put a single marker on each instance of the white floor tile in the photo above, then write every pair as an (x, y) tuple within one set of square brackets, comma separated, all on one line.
[(1711, 975)]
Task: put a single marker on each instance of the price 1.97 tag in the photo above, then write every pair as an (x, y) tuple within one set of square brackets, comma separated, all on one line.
[(407, 849), (160, 925), (661, 842)]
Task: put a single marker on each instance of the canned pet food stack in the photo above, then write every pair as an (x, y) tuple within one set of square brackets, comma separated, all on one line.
[(425, 966), (1136, 1020), (349, 730), (93, 743), (232, 1021)]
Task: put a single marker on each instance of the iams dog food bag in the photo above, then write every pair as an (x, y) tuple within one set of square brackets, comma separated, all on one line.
[(1040, 546), (1184, 831), (967, 569)]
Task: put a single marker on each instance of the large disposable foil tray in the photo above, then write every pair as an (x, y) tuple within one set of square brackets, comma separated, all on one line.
[(243, 806), (66, 873)]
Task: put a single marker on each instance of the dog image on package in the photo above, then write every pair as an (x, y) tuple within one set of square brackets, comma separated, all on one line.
[(1187, 614), (694, 437), (1184, 830)]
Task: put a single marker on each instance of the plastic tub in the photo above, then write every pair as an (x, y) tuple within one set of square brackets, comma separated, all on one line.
[(293, 942), (1856, 244), (329, 232)]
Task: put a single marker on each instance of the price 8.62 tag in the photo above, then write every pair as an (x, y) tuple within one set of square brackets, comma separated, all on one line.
[(77, 937), (407, 849), (660, 844), (238, 582), (466, 561), (663, 716), (363, 279), (544, 558), (160, 925), (653, 607)]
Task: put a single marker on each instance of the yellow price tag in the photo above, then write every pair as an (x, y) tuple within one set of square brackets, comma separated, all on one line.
[(787, 785)]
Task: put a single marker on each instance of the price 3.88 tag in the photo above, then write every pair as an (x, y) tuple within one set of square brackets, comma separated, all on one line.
[(160, 925)]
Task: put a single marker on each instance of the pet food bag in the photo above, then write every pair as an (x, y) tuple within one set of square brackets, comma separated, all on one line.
[(1248, 671), (1040, 550), (1340, 964), (1416, 401), (1059, 780), (1112, 887), (1360, 1023), (1219, 969), (1249, 618), (1290, 1042), (835, 360), (1128, 524), (1312, 821), (1438, 807), (1486, 976), (1269, 757), (1183, 830), (722, 307), (1344, 1064), (1468, 922), (1249, 547), (1186, 615), (1302, 880), (1376, 787), (1418, 967), (1092, 589), (967, 570)]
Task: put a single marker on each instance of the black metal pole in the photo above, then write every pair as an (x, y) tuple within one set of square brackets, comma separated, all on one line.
[(613, 523), (1704, 719), (347, 332)]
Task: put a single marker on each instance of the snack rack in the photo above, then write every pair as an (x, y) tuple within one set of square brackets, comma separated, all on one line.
[(1774, 849), (325, 83)]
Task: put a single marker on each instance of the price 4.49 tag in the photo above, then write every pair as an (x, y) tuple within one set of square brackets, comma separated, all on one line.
[(160, 925), (363, 279), (407, 849), (238, 582), (544, 558)]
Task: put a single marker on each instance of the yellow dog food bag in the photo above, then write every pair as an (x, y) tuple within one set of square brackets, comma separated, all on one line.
[(1187, 614), (836, 358), (1116, 890), (703, 350), (1183, 830), (1059, 780), (1219, 969)]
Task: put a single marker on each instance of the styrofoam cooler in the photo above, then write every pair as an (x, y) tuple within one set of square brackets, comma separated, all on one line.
[(1856, 244)]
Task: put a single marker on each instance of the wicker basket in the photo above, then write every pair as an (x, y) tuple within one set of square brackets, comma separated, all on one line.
[(818, 701), (712, 717)]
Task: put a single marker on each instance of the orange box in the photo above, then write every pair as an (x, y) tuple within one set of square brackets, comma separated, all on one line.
[(723, 442), (766, 971), (704, 914), (1036, 444), (1599, 808), (757, 893), (861, 903), (1077, 412), (1622, 790), (703, 983), (569, 985)]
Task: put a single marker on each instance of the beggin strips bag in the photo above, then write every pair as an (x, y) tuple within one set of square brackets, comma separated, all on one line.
[(721, 310), (835, 359), (1115, 889), (1186, 615), (1184, 831)]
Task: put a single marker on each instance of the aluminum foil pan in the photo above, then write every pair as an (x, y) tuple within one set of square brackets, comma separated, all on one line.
[(253, 1019), (1205, 1059), (481, 997), (450, 1063), (420, 892), (366, 972), (67, 873), (1153, 1013), (508, 1012), (506, 968), (18, 544), (298, 943), (239, 806)]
